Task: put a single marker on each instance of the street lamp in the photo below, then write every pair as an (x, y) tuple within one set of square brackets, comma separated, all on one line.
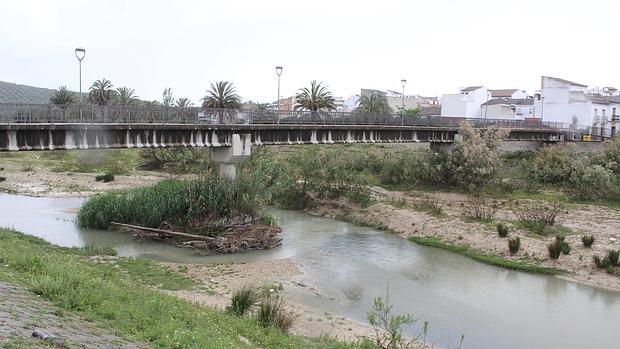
[(80, 52), (403, 82), (279, 72)]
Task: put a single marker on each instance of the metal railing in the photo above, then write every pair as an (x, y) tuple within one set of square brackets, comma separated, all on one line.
[(118, 114)]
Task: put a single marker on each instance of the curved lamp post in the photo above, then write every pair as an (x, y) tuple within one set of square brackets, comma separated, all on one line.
[(80, 52), (278, 72)]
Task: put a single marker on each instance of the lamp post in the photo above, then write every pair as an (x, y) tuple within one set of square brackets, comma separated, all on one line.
[(80, 52), (278, 72), (403, 82)]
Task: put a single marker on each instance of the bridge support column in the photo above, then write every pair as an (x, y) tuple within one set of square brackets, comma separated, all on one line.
[(228, 157)]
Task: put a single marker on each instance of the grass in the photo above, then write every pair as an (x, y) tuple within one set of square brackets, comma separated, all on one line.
[(483, 257), (242, 300), (116, 298)]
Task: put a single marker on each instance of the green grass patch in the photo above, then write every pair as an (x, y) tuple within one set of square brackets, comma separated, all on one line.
[(117, 298), (484, 257)]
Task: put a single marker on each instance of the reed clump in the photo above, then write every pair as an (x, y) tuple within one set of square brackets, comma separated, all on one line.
[(179, 203)]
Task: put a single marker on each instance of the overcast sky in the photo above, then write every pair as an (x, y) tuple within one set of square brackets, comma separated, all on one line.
[(436, 45)]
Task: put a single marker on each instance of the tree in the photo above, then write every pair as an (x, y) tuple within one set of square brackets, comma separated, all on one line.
[(183, 103), (62, 96), (222, 94), (263, 107), (375, 103), (315, 98), (101, 92), (167, 100), (125, 96)]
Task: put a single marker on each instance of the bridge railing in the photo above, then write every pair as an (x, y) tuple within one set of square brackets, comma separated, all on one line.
[(99, 114)]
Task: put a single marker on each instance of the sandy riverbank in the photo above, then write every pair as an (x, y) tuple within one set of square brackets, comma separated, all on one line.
[(283, 276), (602, 222)]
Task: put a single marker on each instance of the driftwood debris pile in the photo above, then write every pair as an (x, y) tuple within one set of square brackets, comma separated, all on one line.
[(237, 238)]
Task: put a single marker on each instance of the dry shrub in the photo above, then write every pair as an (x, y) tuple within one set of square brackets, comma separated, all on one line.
[(538, 218), (480, 210), (272, 312)]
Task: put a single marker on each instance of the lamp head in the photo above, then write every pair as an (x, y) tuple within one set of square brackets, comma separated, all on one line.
[(279, 70), (80, 52), (403, 82)]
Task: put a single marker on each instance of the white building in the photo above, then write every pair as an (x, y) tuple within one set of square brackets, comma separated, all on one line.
[(508, 108), (466, 103), (568, 102), (395, 99)]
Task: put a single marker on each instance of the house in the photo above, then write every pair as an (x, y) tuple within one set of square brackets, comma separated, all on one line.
[(571, 103), (395, 99), (466, 103), (508, 108)]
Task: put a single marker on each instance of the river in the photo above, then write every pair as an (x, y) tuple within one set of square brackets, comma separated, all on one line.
[(492, 307)]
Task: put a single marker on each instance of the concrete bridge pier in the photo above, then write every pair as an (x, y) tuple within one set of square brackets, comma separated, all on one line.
[(228, 157)]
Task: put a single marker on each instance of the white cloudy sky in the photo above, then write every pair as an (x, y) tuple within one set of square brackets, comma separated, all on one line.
[(436, 45)]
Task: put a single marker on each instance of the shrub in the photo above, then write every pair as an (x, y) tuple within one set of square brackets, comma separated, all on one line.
[(2, 179), (558, 246), (587, 240), (272, 312), (554, 164), (502, 230), (479, 210), (108, 177), (555, 249), (592, 181), (537, 218), (242, 300), (388, 328), (609, 262), (474, 159), (431, 204), (514, 244)]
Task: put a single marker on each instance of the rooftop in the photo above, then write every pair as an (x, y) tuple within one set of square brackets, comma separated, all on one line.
[(511, 101), (566, 81), (504, 93)]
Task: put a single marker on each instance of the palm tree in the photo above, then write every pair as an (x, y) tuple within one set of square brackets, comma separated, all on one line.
[(183, 103), (166, 97), (62, 96), (101, 92), (125, 96), (375, 103), (263, 107), (314, 99), (222, 95)]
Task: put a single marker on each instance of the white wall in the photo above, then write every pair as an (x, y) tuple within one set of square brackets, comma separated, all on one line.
[(464, 104)]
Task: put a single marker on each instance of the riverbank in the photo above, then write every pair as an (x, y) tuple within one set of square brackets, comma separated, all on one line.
[(133, 298), (403, 213)]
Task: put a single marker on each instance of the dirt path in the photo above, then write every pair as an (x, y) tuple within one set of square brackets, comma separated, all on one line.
[(279, 276), (21, 312), (394, 210)]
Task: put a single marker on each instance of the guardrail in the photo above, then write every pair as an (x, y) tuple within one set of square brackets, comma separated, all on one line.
[(104, 114)]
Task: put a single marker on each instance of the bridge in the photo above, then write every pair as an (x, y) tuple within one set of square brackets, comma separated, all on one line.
[(231, 133)]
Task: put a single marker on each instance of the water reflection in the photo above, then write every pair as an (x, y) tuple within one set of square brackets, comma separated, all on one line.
[(351, 265)]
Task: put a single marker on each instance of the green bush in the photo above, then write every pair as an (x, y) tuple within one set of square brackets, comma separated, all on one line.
[(558, 246), (592, 182), (272, 312), (502, 230), (587, 240), (108, 177), (609, 262), (242, 300), (514, 244)]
